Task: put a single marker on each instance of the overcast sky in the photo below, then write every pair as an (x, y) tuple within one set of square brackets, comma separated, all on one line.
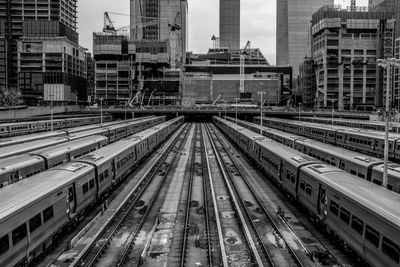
[(258, 19)]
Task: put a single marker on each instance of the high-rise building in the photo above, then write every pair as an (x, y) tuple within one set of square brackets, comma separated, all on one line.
[(373, 3), (151, 20), (27, 26), (292, 31), (229, 23), (345, 46)]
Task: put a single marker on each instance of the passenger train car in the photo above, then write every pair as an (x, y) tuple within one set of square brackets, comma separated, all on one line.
[(363, 215), (364, 166), (363, 124), (33, 211), (8, 141), (24, 160), (21, 128), (364, 141)]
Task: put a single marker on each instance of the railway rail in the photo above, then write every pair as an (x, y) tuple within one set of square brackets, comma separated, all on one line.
[(238, 247), (107, 248), (286, 251)]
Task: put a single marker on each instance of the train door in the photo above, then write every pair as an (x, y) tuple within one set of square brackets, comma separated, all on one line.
[(68, 157), (71, 200), (113, 170), (14, 177), (322, 206)]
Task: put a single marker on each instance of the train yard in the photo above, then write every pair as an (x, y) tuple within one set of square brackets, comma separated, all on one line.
[(164, 192)]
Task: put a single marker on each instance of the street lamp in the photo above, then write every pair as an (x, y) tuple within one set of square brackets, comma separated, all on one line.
[(101, 110), (261, 112), (387, 63), (236, 101), (51, 111)]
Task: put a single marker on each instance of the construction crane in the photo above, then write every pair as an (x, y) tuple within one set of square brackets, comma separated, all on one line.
[(353, 5), (173, 27), (215, 40), (108, 24), (245, 51), (216, 100), (151, 97)]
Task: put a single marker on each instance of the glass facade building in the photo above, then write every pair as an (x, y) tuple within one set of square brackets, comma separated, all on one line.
[(229, 23), (292, 32)]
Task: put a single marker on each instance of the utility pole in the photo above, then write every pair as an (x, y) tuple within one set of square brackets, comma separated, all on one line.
[(101, 111), (236, 101), (387, 63), (261, 111), (51, 111), (299, 112)]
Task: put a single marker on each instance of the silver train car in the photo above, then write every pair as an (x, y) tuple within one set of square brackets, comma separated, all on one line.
[(366, 167), (363, 124), (21, 161), (364, 141), (65, 132), (113, 133), (361, 214), (21, 128), (33, 211)]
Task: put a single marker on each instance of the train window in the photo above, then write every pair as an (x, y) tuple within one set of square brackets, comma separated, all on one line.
[(361, 175), (357, 224), (85, 188), (334, 208), (91, 183), (48, 214), (390, 187), (106, 174), (377, 182), (101, 177), (345, 215), (309, 189), (353, 172), (35, 222), (4, 244), (302, 185), (391, 249), (372, 235), (19, 233)]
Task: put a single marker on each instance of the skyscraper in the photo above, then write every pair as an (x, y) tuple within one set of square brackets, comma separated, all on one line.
[(292, 31), (150, 19), (30, 28), (229, 23)]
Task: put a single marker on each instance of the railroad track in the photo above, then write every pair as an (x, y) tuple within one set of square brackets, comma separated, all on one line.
[(113, 246), (191, 244), (155, 231), (234, 233), (281, 251)]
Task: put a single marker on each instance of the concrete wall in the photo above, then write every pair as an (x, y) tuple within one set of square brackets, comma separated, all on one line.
[(35, 111)]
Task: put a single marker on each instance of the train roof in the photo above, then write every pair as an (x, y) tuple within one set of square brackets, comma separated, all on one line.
[(375, 198), (8, 141), (17, 162), (295, 157), (393, 169), (22, 194), (17, 149), (348, 130), (64, 148), (349, 155), (84, 134)]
